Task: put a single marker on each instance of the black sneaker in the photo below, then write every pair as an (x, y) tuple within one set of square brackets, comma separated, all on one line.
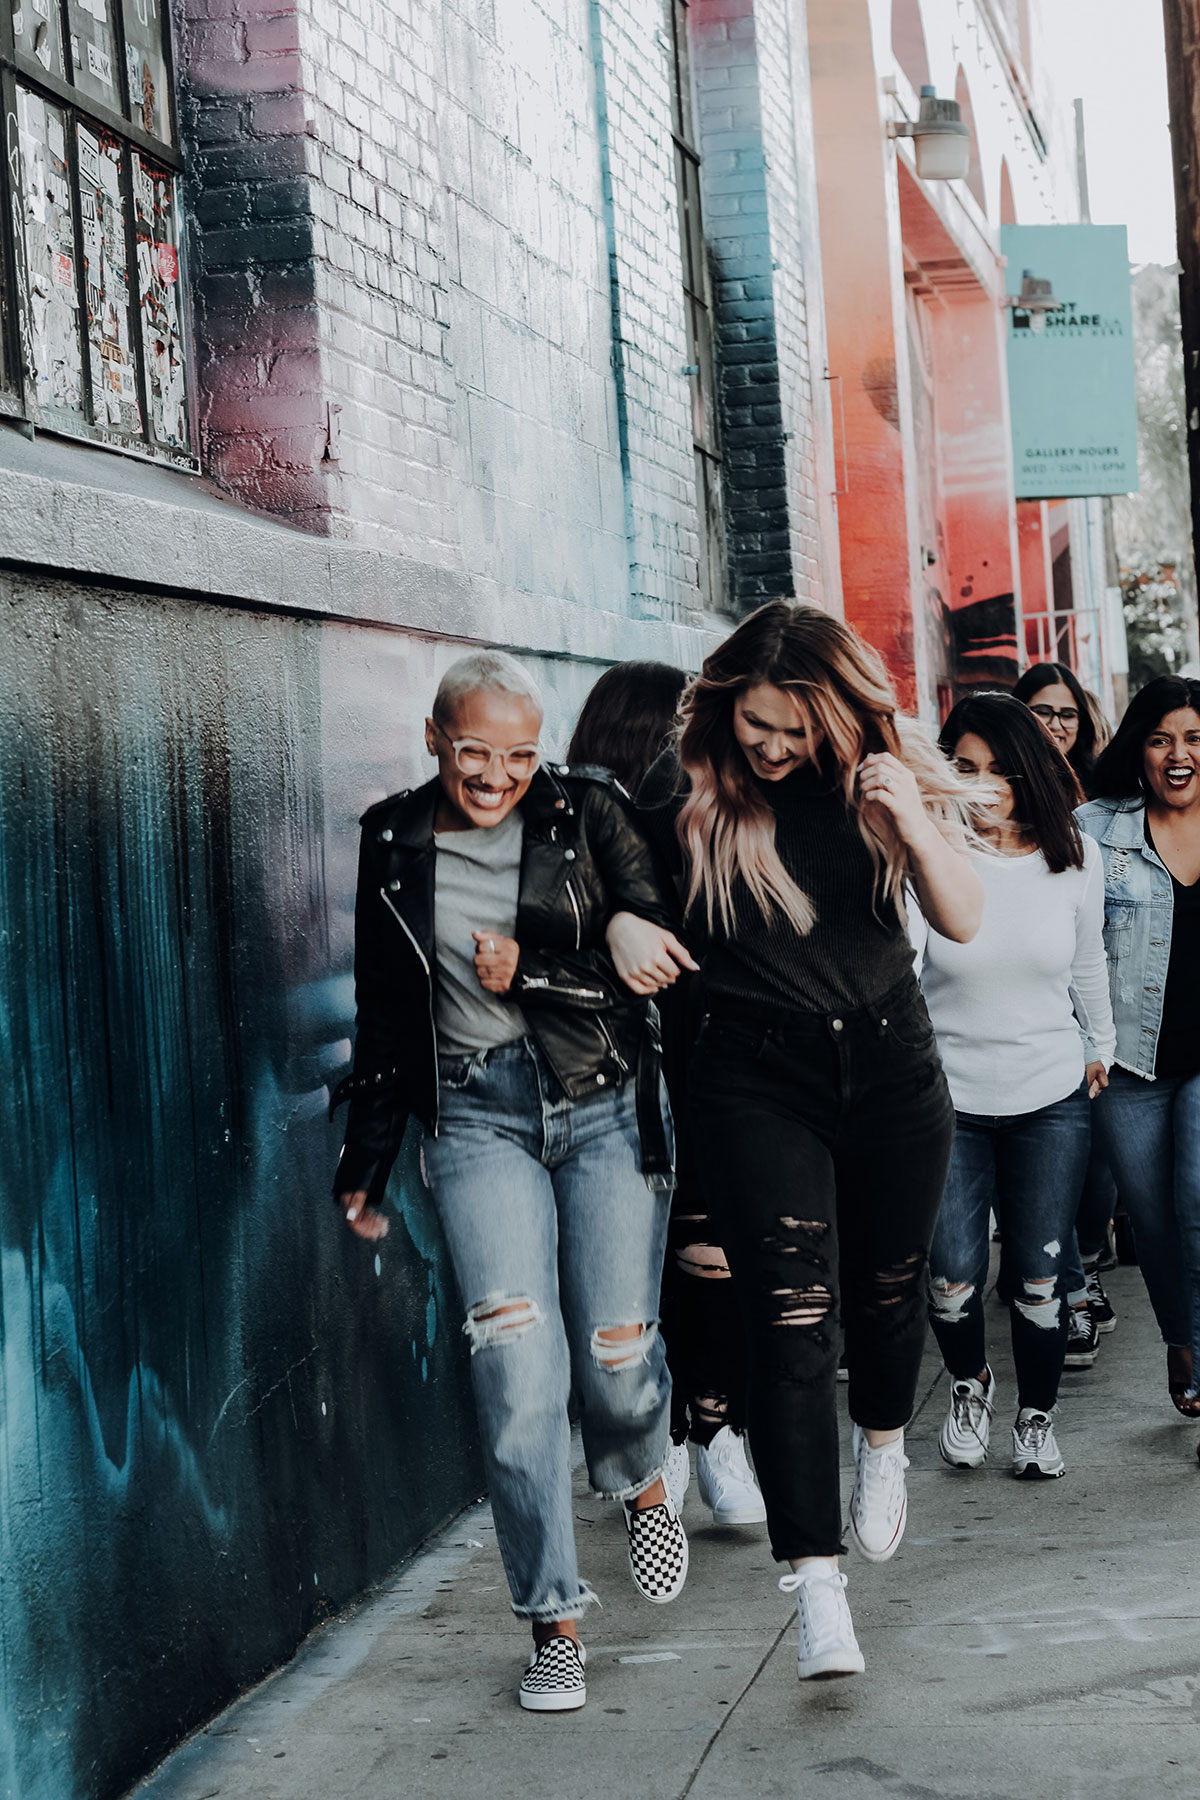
[(554, 1681), (1083, 1338), (658, 1552), (1098, 1302)]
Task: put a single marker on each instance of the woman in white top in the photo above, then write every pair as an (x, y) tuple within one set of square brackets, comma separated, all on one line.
[(1013, 1010)]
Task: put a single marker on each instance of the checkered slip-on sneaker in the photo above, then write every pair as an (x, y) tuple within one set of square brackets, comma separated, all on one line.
[(658, 1552), (554, 1682)]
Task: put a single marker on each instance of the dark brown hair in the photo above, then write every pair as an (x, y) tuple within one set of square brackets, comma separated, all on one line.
[(1082, 754), (627, 719), (1045, 788)]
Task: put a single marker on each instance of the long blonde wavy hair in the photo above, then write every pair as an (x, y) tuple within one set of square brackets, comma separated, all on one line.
[(840, 689)]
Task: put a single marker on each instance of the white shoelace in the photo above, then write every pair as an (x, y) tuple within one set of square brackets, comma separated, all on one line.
[(881, 1475), (1032, 1431), (969, 1408)]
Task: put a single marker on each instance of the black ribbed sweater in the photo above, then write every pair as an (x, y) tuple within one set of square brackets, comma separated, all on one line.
[(856, 952)]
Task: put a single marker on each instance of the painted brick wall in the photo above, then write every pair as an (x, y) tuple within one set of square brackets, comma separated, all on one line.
[(631, 52), (754, 201), (542, 504)]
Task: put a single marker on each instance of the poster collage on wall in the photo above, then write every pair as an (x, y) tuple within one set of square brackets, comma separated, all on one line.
[(93, 215)]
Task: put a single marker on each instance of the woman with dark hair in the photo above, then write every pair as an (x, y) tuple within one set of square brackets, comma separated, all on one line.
[(627, 718), (1053, 694), (1146, 818), (626, 722), (1007, 1009), (797, 808), (488, 1006)]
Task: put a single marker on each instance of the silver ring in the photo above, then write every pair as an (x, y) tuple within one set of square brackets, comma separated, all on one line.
[(491, 946)]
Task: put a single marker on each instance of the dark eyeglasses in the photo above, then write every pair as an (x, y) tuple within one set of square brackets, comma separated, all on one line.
[(1067, 715)]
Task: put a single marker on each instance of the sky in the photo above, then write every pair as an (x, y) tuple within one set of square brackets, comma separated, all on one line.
[(1110, 54)]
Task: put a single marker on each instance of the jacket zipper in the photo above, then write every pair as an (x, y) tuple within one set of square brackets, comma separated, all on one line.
[(429, 997), (543, 985), (578, 919), (616, 1054)]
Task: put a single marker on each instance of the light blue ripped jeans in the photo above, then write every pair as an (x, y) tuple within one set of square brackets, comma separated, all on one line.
[(556, 1241)]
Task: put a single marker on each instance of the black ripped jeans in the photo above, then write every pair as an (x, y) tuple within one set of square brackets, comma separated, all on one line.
[(822, 1144)]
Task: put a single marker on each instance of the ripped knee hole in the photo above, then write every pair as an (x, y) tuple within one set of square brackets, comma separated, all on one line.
[(499, 1319), (705, 1261), (616, 1347), (802, 1306)]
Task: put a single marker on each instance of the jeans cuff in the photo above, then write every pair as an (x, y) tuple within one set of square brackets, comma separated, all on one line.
[(634, 1489), (548, 1611)]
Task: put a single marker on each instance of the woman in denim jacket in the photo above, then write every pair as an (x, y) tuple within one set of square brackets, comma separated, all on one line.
[(1146, 819)]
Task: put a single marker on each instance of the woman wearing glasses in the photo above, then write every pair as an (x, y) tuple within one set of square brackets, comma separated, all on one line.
[(488, 1007), (1054, 696), (1072, 720), (1008, 1009)]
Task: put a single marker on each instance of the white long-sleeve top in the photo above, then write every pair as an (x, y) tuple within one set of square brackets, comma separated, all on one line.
[(1017, 1010)]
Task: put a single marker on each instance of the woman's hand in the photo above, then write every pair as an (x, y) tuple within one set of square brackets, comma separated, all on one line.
[(885, 783), (645, 956), (364, 1221), (495, 961), (1096, 1076)]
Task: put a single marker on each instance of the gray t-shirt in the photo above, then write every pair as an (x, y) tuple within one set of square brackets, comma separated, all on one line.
[(477, 877)]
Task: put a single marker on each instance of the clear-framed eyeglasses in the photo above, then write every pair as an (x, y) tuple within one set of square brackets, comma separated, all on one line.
[(473, 757), (1066, 715)]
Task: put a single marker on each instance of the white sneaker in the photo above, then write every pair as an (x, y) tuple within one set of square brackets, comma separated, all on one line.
[(963, 1441), (677, 1474), (879, 1504), (726, 1482), (1036, 1455), (827, 1644)]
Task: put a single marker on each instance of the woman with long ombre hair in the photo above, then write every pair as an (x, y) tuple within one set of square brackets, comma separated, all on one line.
[(797, 808)]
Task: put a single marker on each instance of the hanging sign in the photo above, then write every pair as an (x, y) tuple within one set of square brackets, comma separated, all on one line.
[(1071, 386)]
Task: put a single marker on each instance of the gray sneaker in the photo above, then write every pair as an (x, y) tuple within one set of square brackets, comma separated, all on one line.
[(1036, 1455), (963, 1440)]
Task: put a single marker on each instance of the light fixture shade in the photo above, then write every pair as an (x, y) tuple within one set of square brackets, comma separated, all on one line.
[(941, 140), (942, 157)]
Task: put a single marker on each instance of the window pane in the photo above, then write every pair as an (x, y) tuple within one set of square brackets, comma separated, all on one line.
[(37, 32), (114, 374), (92, 53), (157, 217), (50, 327), (145, 25)]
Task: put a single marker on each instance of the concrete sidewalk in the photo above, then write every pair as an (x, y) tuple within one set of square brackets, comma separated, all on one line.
[(1028, 1638)]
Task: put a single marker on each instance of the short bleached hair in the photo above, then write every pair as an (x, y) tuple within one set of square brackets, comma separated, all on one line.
[(484, 671)]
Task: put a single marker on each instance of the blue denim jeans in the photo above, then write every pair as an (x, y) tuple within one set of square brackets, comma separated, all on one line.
[(556, 1241), (1030, 1167), (1151, 1131)]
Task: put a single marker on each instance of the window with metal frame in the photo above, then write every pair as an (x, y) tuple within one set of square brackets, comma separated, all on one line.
[(93, 334), (698, 314)]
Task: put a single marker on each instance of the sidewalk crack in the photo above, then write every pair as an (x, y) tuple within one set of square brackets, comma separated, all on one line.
[(711, 1744)]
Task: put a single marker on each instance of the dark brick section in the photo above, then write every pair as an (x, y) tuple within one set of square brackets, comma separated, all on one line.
[(735, 178), (252, 255), (756, 497)]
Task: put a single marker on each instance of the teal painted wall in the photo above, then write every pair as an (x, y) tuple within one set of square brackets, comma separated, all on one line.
[(220, 1418)]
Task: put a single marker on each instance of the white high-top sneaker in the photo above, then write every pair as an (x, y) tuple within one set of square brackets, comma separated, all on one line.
[(827, 1644), (879, 1503), (726, 1482), (678, 1474)]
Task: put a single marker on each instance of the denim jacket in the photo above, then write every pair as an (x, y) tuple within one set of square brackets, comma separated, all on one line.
[(1139, 909)]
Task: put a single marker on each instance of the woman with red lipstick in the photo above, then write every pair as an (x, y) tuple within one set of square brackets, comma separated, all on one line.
[(1146, 819), (798, 807), (489, 1007)]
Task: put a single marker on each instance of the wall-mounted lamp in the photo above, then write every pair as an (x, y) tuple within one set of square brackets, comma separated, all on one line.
[(1035, 296), (941, 141), (1031, 305)]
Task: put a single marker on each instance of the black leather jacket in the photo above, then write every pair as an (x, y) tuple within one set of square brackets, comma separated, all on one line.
[(583, 859)]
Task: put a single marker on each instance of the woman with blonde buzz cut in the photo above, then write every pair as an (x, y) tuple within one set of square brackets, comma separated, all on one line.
[(797, 808)]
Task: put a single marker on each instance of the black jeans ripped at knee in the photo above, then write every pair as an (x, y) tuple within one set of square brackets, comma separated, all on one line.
[(822, 1145)]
